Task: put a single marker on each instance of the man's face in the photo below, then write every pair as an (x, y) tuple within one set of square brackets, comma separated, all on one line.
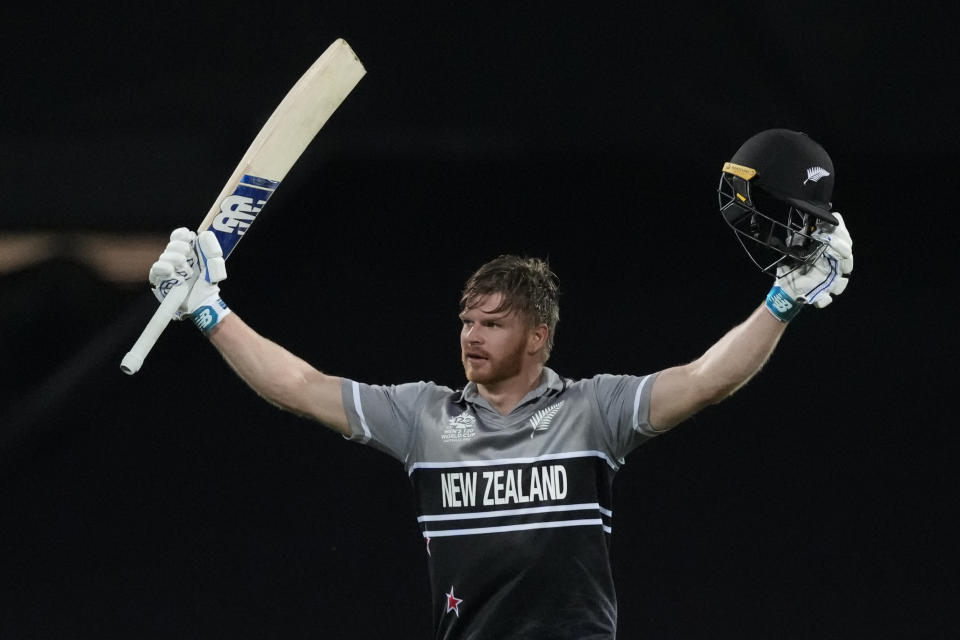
[(492, 345)]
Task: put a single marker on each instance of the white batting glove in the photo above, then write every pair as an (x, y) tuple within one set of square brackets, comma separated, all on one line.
[(815, 283), (196, 262)]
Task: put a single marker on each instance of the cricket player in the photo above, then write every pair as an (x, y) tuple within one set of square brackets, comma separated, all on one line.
[(513, 472)]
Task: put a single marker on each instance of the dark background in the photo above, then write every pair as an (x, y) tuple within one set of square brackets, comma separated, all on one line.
[(815, 503)]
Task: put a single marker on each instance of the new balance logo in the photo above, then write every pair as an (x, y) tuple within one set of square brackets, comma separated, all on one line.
[(204, 317), (815, 173), (781, 303), (541, 419), (236, 214)]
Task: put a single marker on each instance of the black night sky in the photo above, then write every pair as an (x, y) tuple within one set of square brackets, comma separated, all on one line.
[(815, 503)]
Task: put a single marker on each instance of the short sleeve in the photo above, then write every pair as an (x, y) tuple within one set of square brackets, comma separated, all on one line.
[(624, 403), (383, 417)]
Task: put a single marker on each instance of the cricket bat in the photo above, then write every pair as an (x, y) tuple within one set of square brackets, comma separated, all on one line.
[(294, 123)]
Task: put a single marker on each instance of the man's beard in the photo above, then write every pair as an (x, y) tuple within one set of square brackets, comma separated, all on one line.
[(493, 372)]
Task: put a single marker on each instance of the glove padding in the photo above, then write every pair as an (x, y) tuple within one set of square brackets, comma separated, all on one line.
[(195, 262), (815, 283)]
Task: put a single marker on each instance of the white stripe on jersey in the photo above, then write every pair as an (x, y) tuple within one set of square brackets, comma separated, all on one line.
[(491, 463), (518, 512), (515, 527), (636, 411), (356, 404)]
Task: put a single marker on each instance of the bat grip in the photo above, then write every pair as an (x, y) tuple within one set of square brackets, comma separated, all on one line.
[(132, 362)]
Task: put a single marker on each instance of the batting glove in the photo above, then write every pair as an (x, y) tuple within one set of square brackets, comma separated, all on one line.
[(196, 262), (815, 283)]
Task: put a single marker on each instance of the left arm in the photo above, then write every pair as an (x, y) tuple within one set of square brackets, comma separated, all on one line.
[(679, 392)]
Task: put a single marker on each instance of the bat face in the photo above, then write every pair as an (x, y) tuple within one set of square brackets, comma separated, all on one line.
[(238, 210), (281, 141)]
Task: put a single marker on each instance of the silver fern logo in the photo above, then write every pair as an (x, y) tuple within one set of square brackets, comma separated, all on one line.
[(815, 173), (541, 419)]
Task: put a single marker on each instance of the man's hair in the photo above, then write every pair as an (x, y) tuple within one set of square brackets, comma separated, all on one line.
[(527, 286)]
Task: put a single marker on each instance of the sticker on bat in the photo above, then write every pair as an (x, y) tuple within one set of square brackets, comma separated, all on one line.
[(238, 210)]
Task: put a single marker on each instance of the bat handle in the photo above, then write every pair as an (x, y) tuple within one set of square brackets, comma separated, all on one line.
[(132, 362)]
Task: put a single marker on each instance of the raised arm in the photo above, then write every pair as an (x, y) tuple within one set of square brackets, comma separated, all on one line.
[(679, 392), (278, 376), (274, 373)]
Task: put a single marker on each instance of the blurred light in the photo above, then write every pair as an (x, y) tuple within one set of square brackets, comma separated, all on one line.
[(116, 258)]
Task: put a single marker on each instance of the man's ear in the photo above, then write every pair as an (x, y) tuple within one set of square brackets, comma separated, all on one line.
[(537, 338)]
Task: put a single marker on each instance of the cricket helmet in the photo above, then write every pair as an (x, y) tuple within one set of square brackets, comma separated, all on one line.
[(773, 192)]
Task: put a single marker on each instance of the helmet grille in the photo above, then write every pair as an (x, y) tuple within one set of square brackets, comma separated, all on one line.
[(773, 233)]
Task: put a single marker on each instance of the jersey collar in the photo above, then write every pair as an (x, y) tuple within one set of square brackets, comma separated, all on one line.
[(550, 384)]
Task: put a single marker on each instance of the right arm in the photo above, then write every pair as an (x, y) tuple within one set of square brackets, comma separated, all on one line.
[(274, 373), (278, 376)]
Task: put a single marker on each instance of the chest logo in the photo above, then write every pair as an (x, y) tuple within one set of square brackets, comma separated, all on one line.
[(460, 428), (541, 419)]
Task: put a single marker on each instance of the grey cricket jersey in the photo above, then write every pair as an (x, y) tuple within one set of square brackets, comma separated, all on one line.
[(516, 511)]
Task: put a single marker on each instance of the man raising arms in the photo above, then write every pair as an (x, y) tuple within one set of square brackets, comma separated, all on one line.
[(513, 473)]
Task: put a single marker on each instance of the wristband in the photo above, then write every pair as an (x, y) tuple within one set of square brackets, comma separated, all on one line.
[(781, 305), (209, 314)]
